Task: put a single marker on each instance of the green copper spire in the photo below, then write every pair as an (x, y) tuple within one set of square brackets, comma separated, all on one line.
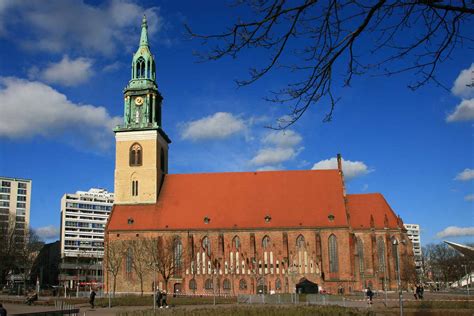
[(144, 36), (142, 100)]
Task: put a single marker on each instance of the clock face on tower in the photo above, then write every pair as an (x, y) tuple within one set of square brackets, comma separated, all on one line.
[(139, 101)]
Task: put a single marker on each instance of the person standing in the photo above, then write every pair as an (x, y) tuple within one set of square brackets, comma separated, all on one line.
[(415, 291), (3, 311), (158, 298), (163, 300), (419, 291), (370, 295), (92, 298)]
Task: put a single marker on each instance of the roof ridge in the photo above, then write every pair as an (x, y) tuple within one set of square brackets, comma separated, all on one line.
[(254, 172)]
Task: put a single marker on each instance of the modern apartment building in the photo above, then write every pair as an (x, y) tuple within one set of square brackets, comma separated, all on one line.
[(83, 219), (15, 201), (413, 231)]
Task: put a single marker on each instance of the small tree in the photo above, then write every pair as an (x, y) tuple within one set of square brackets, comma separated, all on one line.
[(26, 252), (165, 253), (7, 249), (444, 263), (113, 263), (140, 259)]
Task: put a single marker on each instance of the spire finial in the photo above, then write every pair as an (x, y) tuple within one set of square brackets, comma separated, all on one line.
[(144, 35)]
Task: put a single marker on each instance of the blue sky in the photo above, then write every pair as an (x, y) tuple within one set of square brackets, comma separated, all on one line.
[(64, 64)]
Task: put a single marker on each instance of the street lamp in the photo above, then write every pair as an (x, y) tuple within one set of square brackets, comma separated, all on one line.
[(468, 278), (400, 294), (154, 285)]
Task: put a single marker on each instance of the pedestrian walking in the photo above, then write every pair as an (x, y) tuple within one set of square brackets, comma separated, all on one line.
[(415, 291), (369, 295), (92, 298), (3, 311), (419, 291), (159, 296), (163, 300)]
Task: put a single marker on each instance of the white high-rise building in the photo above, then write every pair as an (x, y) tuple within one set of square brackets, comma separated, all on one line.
[(413, 231), (83, 219), (15, 200)]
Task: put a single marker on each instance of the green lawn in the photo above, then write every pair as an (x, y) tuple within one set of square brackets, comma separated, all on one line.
[(253, 310)]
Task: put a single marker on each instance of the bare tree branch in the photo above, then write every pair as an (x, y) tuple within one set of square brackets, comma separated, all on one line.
[(312, 38)]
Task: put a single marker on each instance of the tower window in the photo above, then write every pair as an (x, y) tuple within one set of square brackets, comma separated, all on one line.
[(136, 155), (135, 188), (140, 68)]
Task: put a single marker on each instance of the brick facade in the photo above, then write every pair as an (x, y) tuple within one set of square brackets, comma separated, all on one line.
[(280, 266)]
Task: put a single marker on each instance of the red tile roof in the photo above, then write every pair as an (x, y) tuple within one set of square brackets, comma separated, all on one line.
[(362, 206), (239, 200)]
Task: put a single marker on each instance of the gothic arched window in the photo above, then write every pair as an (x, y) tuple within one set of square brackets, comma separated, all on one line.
[(278, 284), (300, 243), (152, 76), (140, 68), (192, 284), (333, 258), (206, 245), (208, 284), (136, 154), (236, 243), (360, 254), (148, 69), (226, 284), (381, 253), (242, 284), (265, 242), (128, 261), (178, 253)]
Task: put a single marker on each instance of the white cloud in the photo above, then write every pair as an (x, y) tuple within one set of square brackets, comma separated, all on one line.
[(47, 232), (465, 175), (464, 111), (351, 169), (462, 85), (287, 138), (67, 72), (217, 126), (280, 146), (268, 168), (272, 156), (454, 231), (112, 67), (469, 197), (59, 25), (31, 108)]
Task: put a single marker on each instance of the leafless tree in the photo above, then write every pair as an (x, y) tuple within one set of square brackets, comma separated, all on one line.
[(324, 44), (139, 259), (114, 259), (443, 263), (7, 248), (165, 253), (26, 253)]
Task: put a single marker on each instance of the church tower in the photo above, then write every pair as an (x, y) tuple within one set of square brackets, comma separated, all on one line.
[(141, 160)]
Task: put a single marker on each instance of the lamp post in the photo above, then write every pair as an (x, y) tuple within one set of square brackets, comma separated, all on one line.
[(468, 278), (400, 295), (154, 285)]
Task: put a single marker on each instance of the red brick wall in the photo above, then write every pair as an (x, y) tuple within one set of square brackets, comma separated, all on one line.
[(348, 276)]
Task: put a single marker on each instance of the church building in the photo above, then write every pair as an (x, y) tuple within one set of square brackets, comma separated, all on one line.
[(237, 232)]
